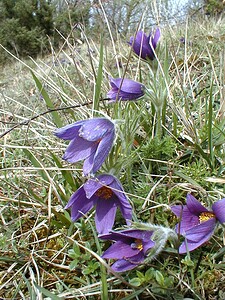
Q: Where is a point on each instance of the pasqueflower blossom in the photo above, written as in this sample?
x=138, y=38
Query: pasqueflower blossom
x=106, y=193
x=90, y=140
x=142, y=44
x=130, y=248
x=197, y=223
x=125, y=89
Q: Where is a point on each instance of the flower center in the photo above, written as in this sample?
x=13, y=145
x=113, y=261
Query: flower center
x=137, y=245
x=205, y=216
x=104, y=193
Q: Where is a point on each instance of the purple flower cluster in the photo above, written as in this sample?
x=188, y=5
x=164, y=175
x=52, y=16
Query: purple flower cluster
x=91, y=141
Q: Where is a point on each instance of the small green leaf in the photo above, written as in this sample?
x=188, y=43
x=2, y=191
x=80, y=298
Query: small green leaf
x=188, y=262
x=168, y=282
x=149, y=274
x=73, y=264
x=76, y=249
x=140, y=275
x=135, y=281
x=159, y=278
x=91, y=268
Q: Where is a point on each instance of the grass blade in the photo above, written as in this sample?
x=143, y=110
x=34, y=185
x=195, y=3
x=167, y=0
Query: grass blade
x=98, y=82
x=210, y=125
x=47, y=293
x=55, y=116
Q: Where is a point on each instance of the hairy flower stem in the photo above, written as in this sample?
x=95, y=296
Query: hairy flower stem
x=129, y=179
x=104, y=294
x=158, y=131
x=104, y=290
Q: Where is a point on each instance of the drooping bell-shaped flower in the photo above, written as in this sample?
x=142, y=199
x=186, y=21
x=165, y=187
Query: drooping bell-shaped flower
x=143, y=45
x=125, y=89
x=130, y=248
x=90, y=140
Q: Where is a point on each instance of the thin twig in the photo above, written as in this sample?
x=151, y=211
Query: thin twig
x=27, y=122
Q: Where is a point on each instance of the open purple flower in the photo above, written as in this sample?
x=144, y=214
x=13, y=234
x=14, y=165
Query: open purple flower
x=125, y=89
x=106, y=193
x=91, y=141
x=130, y=248
x=142, y=44
x=197, y=223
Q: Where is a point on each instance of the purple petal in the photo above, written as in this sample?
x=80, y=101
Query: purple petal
x=121, y=249
x=92, y=185
x=79, y=204
x=141, y=37
x=187, y=219
x=128, y=85
x=113, y=94
x=129, y=96
x=105, y=215
x=198, y=235
x=126, y=209
x=79, y=149
x=147, y=245
x=124, y=204
x=178, y=209
x=156, y=38
x=113, y=236
x=88, y=164
x=128, y=264
x=138, y=234
x=78, y=194
x=194, y=206
x=123, y=96
x=138, y=258
x=123, y=265
x=95, y=129
x=69, y=132
x=129, y=90
x=219, y=210
x=103, y=150
x=141, y=46
x=94, y=162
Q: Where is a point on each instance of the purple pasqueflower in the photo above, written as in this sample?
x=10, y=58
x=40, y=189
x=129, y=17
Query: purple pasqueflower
x=106, y=193
x=130, y=248
x=143, y=45
x=90, y=140
x=197, y=223
x=125, y=89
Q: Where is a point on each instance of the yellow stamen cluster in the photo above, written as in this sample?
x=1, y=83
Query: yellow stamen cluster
x=205, y=216
x=138, y=244
x=104, y=193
